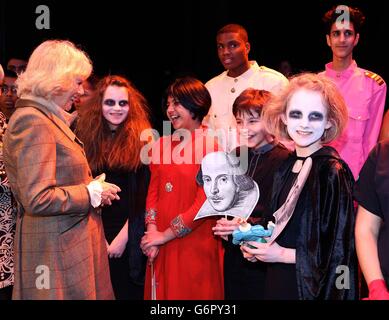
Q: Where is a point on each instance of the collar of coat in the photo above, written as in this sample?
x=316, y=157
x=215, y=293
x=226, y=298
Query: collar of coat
x=326, y=152
x=52, y=111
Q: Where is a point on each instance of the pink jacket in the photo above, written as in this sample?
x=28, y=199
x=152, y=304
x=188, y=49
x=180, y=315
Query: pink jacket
x=364, y=93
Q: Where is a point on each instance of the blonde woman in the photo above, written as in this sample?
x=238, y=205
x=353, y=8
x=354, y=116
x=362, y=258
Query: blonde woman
x=60, y=250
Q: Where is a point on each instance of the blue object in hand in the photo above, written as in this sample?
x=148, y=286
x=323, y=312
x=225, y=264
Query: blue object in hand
x=252, y=233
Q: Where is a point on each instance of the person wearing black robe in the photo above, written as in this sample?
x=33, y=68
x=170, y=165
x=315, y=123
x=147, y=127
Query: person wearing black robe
x=313, y=257
x=110, y=128
x=321, y=230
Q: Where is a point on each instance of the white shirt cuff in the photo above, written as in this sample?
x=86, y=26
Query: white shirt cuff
x=95, y=189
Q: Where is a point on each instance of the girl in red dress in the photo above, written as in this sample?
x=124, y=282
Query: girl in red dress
x=186, y=257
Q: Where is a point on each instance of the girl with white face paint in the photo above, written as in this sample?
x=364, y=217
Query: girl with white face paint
x=306, y=121
x=303, y=261
x=110, y=126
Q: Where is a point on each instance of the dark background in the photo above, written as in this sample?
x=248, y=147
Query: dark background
x=151, y=42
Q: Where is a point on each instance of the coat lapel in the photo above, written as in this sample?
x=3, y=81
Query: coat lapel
x=52, y=114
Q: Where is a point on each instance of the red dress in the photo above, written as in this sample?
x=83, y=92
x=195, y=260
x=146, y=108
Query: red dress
x=189, y=267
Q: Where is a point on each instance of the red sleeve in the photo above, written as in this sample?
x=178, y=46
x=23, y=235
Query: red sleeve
x=183, y=223
x=151, y=215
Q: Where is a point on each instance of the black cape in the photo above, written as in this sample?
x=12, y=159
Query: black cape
x=326, y=262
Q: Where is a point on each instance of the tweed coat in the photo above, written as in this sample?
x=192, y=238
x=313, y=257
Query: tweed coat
x=60, y=250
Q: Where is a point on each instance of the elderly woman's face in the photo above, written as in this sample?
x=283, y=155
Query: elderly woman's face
x=67, y=98
x=220, y=190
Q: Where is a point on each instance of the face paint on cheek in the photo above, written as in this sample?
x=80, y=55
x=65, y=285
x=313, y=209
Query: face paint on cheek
x=305, y=135
x=306, y=117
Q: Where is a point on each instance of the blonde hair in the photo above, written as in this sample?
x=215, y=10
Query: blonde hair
x=337, y=114
x=52, y=69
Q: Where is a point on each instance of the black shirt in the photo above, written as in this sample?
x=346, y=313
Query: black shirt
x=281, y=282
x=372, y=193
x=243, y=279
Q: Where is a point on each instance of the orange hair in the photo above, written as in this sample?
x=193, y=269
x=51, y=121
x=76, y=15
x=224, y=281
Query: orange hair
x=121, y=150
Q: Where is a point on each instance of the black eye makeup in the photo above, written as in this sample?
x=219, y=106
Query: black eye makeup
x=316, y=116
x=111, y=103
x=313, y=116
x=294, y=114
x=123, y=103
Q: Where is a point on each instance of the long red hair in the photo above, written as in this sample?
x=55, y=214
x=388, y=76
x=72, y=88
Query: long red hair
x=121, y=150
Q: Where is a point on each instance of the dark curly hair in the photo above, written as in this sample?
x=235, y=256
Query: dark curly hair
x=357, y=18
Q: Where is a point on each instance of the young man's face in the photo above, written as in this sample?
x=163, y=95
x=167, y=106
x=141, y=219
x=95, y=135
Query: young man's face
x=233, y=53
x=342, y=40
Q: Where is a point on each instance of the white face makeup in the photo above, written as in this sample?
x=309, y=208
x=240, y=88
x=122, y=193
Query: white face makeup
x=306, y=120
x=115, y=106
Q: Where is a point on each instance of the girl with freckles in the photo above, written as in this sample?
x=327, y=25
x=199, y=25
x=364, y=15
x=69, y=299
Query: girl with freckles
x=314, y=256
